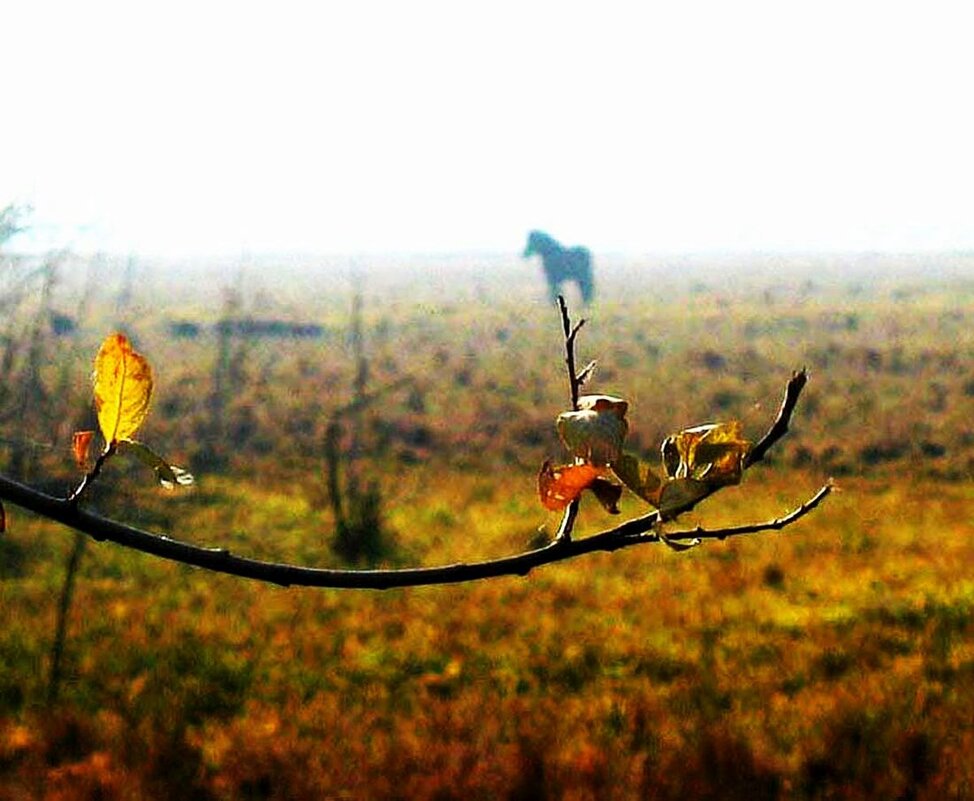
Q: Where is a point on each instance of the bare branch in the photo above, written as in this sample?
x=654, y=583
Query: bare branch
x=574, y=382
x=633, y=532
x=753, y=528
x=586, y=372
x=570, y=333
x=780, y=425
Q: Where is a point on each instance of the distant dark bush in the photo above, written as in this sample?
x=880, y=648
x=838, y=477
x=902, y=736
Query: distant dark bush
x=880, y=452
x=712, y=360
x=183, y=329
x=13, y=558
x=62, y=325
x=360, y=534
x=773, y=576
x=725, y=399
x=932, y=450
x=802, y=457
x=274, y=329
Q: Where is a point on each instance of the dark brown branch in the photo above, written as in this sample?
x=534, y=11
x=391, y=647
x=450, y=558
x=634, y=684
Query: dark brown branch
x=567, y=524
x=753, y=528
x=633, y=532
x=780, y=425
x=570, y=333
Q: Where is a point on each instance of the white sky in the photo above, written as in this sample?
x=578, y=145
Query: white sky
x=426, y=126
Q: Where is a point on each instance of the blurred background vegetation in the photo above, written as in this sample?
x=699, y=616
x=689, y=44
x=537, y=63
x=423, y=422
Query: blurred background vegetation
x=417, y=400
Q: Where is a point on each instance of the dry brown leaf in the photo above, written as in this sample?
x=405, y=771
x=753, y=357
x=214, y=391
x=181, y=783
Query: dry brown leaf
x=641, y=480
x=711, y=453
x=607, y=493
x=597, y=430
x=80, y=446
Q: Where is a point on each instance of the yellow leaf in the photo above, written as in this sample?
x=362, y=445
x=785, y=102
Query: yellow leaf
x=123, y=388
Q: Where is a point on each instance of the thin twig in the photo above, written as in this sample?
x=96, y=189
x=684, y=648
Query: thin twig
x=780, y=425
x=92, y=474
x=777, y=524
x=778, y=428
x=564, y=533
x=567, y=525
x=570, y=333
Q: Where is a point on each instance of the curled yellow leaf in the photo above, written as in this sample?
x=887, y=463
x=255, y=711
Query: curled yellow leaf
x=712, y=453
x=123, y=388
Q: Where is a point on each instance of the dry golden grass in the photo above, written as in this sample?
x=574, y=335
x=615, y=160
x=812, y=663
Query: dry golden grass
x=831, y=660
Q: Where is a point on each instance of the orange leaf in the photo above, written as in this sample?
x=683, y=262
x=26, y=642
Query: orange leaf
x=559, y=486
x=80, y=444
x=123, y=388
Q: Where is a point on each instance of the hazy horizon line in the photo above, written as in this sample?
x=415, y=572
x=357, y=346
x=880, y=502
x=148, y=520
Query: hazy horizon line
x=245, y=254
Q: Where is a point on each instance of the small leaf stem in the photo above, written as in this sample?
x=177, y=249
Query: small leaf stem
x=75, y=497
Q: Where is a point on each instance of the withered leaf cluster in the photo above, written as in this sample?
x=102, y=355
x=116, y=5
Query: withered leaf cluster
x=694, y=462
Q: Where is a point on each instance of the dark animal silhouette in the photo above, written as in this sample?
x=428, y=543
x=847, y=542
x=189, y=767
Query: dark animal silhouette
x=562, y=264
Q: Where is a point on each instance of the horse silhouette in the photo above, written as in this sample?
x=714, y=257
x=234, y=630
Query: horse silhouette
x=562, y=264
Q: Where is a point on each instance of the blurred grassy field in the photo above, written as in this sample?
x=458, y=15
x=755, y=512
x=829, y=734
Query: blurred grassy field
x=831, y=660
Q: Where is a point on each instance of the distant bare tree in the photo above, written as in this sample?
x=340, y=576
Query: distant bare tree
x=13, y=219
